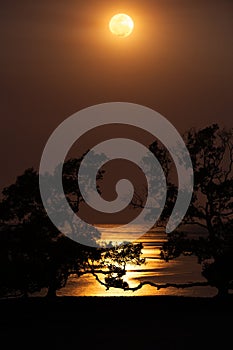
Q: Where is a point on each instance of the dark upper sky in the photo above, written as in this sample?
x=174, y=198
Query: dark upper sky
x=58, y=56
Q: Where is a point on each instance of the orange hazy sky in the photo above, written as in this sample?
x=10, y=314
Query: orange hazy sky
x=58, y=57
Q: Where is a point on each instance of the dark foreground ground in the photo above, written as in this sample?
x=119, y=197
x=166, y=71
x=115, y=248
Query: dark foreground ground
x=159, y=322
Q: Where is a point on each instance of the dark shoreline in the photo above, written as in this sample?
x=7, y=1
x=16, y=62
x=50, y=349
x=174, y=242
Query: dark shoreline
x=165, y=302
x=159, y=322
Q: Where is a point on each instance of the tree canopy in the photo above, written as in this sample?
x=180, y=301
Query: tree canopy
x=35, y=255
x=211, y=208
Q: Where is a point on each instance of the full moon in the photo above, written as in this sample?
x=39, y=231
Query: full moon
x=121, y=25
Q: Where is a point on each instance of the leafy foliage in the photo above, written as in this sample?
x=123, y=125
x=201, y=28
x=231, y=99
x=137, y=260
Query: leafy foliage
x=211, y=209
x=34, y=255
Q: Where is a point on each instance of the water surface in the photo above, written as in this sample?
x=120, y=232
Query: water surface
x=180, y=270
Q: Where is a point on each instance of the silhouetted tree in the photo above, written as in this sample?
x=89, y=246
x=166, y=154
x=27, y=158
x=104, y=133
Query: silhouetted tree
x=35, y=255
x=211, y=209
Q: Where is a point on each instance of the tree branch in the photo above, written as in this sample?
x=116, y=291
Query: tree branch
x=168, y=285
x=195, y=223
x=230, y=148
x=226, y=214
x=156, y=285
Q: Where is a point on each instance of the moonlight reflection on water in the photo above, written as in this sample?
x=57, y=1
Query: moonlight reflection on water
x=180, y=270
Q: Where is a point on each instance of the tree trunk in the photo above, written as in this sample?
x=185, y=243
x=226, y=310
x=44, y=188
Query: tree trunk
x=51, y=292
x=223, y=291
x=52, y=281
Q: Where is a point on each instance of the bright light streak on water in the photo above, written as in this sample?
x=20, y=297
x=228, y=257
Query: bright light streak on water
x=181, y=270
